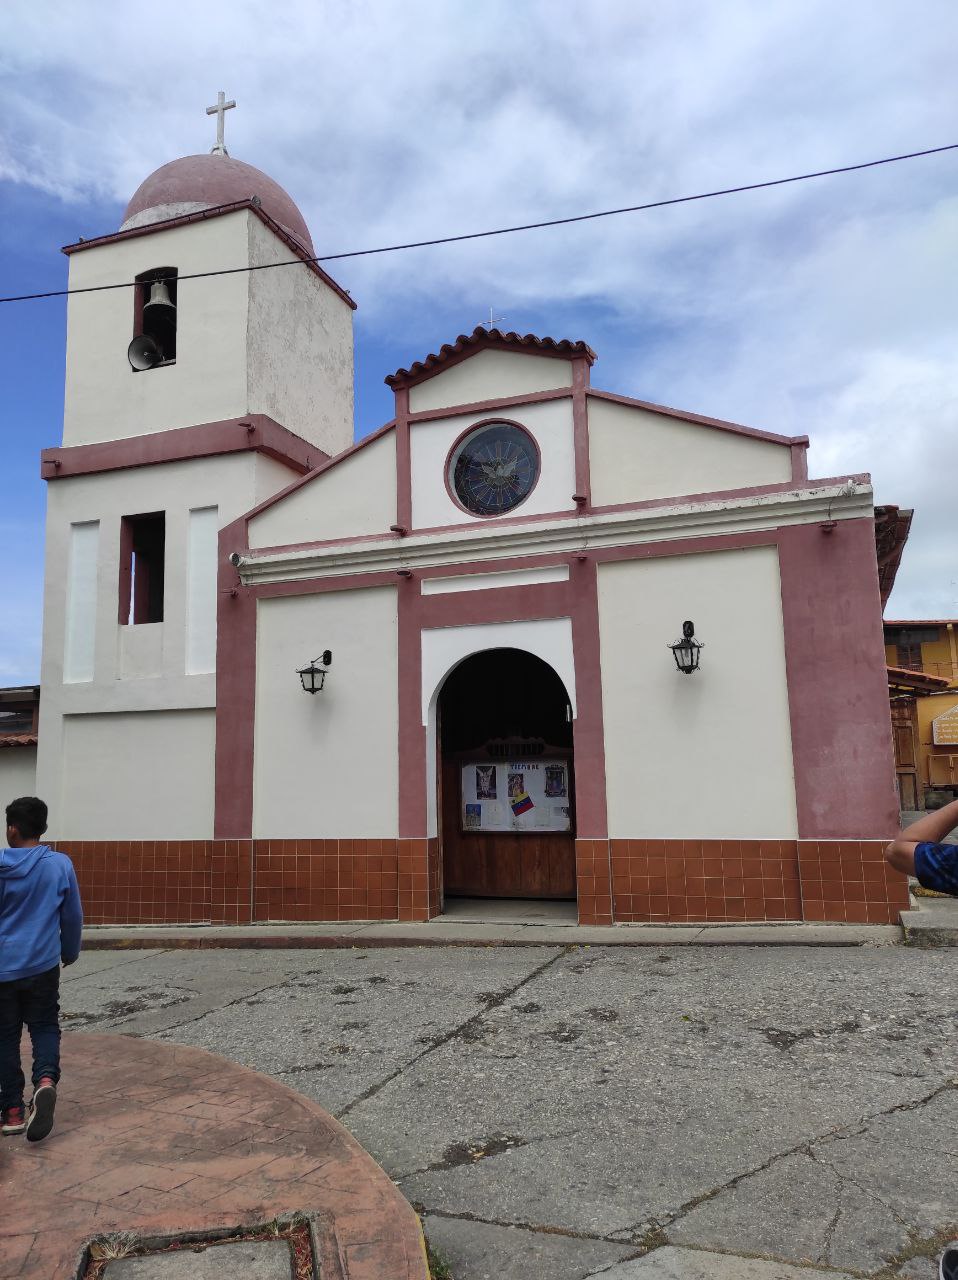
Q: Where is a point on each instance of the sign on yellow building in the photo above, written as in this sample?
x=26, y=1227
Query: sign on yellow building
x=944, y=729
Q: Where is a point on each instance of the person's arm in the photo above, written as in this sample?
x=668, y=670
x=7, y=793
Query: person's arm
x=933, y=827
x=71, y=919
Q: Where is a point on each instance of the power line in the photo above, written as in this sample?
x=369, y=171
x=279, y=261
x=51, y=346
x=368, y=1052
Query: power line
x=504, y=231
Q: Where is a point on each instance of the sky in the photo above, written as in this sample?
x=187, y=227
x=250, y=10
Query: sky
x=824, y=308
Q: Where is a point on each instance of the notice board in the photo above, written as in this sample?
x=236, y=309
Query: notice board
x=516, y=795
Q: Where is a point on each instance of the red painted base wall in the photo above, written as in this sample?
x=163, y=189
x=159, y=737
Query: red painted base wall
x=619, y=881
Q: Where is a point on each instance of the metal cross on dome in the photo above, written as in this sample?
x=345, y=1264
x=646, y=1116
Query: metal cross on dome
x=222, y=106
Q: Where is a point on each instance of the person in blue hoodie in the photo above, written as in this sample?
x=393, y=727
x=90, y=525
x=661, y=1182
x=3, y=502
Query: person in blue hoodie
x=41, y=921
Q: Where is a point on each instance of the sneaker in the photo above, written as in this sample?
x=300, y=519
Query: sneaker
x=948, y=1266
x=42, y=1104
x=13, y=1120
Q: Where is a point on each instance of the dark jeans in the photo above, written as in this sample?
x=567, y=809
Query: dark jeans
x=34, y=1001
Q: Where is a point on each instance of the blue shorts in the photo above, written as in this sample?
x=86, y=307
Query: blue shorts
x=936, y=866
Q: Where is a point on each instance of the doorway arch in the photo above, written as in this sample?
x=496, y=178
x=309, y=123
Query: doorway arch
x=505, y=808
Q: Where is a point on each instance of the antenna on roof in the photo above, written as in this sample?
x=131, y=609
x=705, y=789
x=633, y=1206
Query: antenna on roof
x=492, y=321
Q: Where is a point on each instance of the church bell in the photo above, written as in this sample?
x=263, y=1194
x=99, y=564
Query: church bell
x=160, y=296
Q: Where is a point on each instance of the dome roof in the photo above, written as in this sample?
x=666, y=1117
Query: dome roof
x=200, y=182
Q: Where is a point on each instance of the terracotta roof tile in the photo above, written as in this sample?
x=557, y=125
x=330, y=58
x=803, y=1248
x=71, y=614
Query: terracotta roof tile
x=918, y=680
x=18, y=740
x=891, y=533
x=480, y=339
x=921, y=622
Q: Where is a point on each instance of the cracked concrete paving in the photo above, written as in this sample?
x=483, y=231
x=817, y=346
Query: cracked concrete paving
x=560, y=1112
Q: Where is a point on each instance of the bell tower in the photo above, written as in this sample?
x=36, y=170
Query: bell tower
x=221, y=313
x=209, y=364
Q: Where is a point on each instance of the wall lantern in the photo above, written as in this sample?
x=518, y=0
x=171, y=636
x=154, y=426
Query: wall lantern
x=686, y=651
x=314, y=677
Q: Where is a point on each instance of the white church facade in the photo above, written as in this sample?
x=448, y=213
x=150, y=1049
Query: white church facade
x=289, y=677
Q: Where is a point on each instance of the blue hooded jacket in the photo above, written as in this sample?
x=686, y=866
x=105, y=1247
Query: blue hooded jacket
x=40, y=914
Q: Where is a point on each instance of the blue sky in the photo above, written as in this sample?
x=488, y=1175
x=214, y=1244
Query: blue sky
x=825, y=308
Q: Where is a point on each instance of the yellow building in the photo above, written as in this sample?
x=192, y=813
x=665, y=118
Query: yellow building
x=922, y=659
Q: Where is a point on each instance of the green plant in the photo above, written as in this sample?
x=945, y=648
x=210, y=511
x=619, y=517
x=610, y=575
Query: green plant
x=438, y=1266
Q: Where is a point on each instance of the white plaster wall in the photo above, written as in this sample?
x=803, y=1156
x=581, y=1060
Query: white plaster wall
x=104, y=398
x=141, y=667
x=201, y=578
x=444, y=648
x=325, y=765
x=18, y=774
x=490, y=581
x=140, y=650
x=300, y=337
x=708, y=755
x=79, y=642
x=271, y=476
x=489, y=375
x=136, y=776
x=356, y=496
x=637, y=454
x=550, y=425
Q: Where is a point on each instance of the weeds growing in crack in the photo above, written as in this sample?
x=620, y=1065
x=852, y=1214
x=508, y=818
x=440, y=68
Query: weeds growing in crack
x=438, y=1263
x=118, y=1244
x=653, y=1238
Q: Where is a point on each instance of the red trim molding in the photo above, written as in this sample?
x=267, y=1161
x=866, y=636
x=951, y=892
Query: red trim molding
x=412, y=732
x=799, y=463
x=580, y=434
x=403, y=461
x=587, y=728
x=254, y=431
x=527, y=603
x=124, y=595
x=235, y=694
x=837, y=683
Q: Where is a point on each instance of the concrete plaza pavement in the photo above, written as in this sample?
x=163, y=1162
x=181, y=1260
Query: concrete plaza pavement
x=563, y=1111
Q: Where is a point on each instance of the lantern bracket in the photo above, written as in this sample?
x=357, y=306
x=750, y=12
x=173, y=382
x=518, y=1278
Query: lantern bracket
x=313, y=677
x=687, y=651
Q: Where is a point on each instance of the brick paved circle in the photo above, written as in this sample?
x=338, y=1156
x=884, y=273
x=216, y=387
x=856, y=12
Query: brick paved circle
x=157, y=1138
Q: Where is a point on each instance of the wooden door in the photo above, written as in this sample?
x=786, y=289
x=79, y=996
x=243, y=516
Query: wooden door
x=501, y=864
x=904, y=722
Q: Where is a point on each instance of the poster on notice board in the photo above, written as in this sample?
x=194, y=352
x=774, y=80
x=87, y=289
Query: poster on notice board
x=516, y=796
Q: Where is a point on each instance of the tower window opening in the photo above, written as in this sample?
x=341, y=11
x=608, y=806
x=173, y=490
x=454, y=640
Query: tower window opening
x=142, y=556
x=154, y=319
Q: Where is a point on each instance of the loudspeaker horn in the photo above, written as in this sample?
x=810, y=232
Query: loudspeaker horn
x=160, y=296
x=143, y=352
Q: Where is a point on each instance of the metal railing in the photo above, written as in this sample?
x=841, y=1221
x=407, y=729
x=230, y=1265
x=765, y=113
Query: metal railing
x=947, y=669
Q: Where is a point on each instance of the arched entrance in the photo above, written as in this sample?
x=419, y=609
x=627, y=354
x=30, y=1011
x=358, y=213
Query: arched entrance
x=506, y=781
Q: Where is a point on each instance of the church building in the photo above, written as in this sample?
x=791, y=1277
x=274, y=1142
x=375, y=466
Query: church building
x=528, y=640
